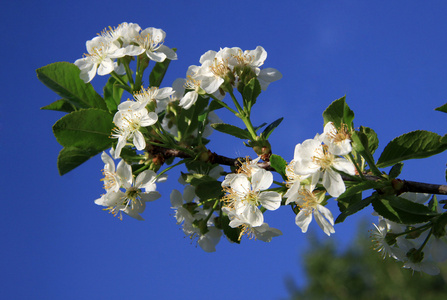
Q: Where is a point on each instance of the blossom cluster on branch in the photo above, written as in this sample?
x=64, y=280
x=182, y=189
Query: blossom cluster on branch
x=160, y=128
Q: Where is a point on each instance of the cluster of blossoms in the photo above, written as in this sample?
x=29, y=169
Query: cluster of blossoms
x=133, y=115
x=416, y=246
x=125, y=40
x=317, y=161
x=124, y=191
x=223, y=69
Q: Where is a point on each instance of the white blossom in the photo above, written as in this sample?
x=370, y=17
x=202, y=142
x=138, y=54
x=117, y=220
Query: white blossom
x=245, y=195
x=309, y=202
x=99, y=59
x=128, y=125
x=129, y=198
x=151, y=42
x=313, y=158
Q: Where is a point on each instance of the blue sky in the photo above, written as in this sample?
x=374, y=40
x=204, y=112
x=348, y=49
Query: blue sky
x=387, y=58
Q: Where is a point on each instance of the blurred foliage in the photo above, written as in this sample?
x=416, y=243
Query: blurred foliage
x=359, y=272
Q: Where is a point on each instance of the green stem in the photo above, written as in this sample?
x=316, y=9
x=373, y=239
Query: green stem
x=136, y=172
x=356, y=165
x=124, y=84
x=171, y=167
x=223, y=104
x=212, y=210
x=244, y=116
x=415, y=229
x=425, y=241
x=236, y=103
x=129, y=75
x=142, y=64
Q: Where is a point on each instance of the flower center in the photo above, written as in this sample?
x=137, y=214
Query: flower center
x=219, y=68
x=340, y=135
x=309, y=199
x=109, y=180
x=252, y=198
x=191, y=83
x=323, y=158
x=148, y=43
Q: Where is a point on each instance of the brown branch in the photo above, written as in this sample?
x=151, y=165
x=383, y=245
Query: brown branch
x=214, y=158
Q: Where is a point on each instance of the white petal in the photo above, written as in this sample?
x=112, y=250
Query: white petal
x=150, y=119
x=333, y=183
x=138, y=140
x=270, y=200
x=150, y=196
x=323, y=223
x=303, y=219
x=240, y=184
x=253, y=216
x=156, y=56
x=176, y=199
x=170, y=54
x=124, y=171
x=189, y=99
x=105, y=67
x=261, y=180
x=344, y=165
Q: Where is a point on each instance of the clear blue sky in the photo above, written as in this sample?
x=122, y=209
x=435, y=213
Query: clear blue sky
x=387, y=57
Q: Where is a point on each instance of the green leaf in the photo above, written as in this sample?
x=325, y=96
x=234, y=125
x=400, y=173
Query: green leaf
x=354, y=206
x=373, y=141
x=360, y=187
x=415, y=144
x=269, y=129
x=361, y=145
x=392, y=211
x=251, y=92
x=60, y=105
x=87, y=128
x=409, y=206
x=215, y=105
x=259, y=127
x=158, y=72
x=345, y=202
x=339, y=113
x=396, y=170
x=232, y=130
x=113, y=93
x=72, y=157
x=433, y=203
x=279, y=164
x=442, y=108
x=209, y=190
x=63, y=78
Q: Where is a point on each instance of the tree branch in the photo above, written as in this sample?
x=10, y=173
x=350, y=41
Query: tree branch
x=214, y=158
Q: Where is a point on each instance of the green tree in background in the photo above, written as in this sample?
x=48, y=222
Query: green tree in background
x=360, y=273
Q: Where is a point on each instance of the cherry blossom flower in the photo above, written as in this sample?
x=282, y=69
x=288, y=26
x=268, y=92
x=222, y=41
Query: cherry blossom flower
x=309, y=201
x=150, y=41
x=101, y=52
x=245, y=195
x=315, y=159
x=338, y=141
x=263, y=232
x=128, y=124
x=131, y=201
x=160, y=98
